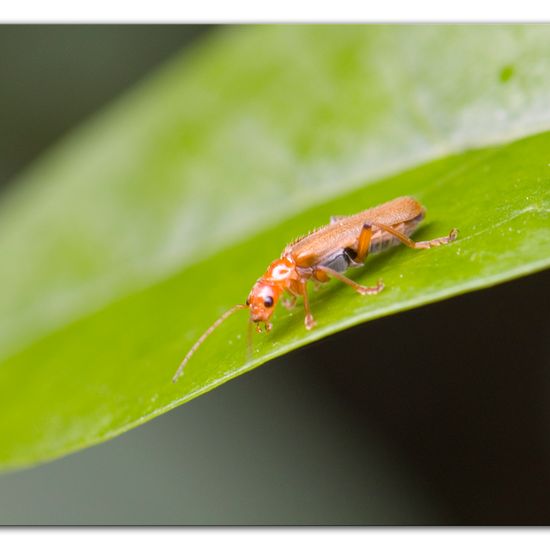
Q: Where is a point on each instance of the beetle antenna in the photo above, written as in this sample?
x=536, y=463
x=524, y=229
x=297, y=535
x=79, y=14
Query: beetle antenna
x=207, y=333
x=249, y=340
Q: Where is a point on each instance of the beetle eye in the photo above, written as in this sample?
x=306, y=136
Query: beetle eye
x=268, y=301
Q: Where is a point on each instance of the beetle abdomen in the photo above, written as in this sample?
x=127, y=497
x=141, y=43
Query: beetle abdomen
x=341, y=261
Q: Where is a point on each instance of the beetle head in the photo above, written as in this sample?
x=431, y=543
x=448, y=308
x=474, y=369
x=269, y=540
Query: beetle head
x=262, y=301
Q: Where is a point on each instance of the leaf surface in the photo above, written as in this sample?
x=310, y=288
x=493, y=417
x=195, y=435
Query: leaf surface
x=131, y=237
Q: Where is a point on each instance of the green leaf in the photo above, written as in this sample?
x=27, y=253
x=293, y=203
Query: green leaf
x=123, y=244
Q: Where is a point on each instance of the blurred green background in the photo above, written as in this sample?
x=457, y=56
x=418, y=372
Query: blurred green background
x=438, y=415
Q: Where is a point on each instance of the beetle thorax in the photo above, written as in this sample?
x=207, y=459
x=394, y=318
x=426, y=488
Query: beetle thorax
x=281, y=271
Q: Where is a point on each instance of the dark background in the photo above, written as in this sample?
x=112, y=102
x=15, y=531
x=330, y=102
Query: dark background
x=439, y=415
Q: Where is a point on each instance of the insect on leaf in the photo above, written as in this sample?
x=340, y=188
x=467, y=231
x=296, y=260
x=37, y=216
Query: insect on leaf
x=125, y=242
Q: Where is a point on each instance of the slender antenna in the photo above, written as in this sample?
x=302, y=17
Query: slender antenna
x=207, y=333
x=249, y=342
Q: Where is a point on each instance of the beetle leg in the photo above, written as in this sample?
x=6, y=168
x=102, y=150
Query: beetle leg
x=363, y=243
x=420, y=244
x=290, y=302
x=326, y=271
x=309, y=321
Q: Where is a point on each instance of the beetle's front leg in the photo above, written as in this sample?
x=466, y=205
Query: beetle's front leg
x=309, y=321
x=289, y=302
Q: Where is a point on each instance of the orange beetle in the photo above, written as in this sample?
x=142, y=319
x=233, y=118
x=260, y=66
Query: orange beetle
x=326, y=253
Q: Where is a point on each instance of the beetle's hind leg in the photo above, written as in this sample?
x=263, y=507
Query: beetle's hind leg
x=420, y=244
x=363, y=243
